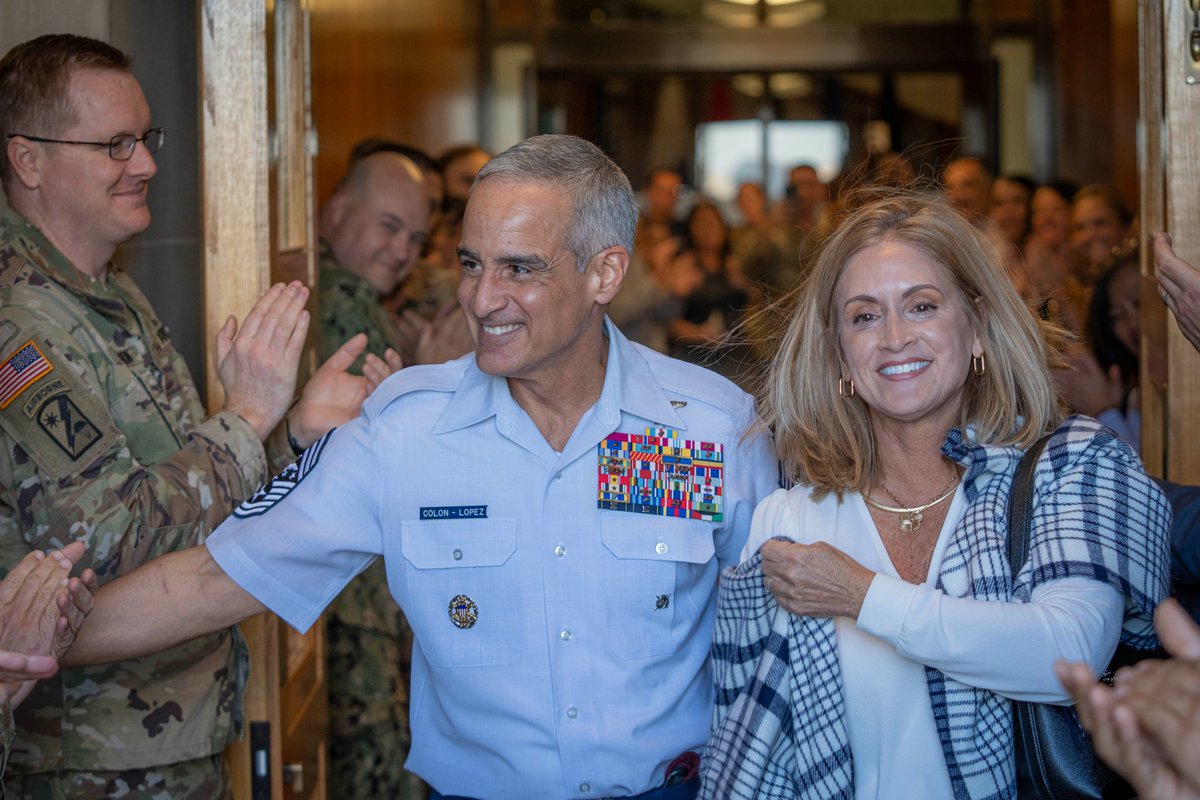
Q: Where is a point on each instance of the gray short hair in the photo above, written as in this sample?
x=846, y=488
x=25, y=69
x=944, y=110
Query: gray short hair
x=603, y=211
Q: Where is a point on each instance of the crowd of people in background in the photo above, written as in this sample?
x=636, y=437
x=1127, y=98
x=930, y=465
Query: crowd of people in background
x=703, y=269
x=1058, y=241
x=791, y=297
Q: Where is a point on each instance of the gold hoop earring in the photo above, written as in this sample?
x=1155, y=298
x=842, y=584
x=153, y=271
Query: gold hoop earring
x=978, y=365
x=846, y=387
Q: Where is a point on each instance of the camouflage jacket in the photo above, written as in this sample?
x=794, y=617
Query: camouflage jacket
x=8, y=733
x=350, y=305
x=105, y=440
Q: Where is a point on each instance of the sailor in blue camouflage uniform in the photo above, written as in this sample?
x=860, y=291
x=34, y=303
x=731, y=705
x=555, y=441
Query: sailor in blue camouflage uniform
x=552, y=512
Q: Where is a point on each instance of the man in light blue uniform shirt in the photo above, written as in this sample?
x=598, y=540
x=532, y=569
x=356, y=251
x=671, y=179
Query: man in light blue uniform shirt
x=552, y=511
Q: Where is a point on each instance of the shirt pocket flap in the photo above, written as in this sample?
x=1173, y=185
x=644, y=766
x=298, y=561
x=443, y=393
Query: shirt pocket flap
x=658, y=538
x=454, y=544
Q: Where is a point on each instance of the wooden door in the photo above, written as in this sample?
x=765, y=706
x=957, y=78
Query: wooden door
x=1169, y=165
x=256, y=135
x=303, y=713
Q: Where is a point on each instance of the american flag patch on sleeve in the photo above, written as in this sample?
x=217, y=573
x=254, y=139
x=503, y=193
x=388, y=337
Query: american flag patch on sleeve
x=282, y=484
x=20, y=371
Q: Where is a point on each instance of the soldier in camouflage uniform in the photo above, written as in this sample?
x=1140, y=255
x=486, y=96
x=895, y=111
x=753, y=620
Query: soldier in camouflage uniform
x=104, y=436
x=372, y=232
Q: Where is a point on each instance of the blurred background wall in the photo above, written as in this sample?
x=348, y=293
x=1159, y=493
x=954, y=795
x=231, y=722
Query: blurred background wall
x=1042, y=87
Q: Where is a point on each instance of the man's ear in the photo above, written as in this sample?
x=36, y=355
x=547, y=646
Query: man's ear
x=24, y=162
x=335, y=212
x=610, y=267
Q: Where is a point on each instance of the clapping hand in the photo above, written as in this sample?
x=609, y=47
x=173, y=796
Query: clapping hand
x=1148, y=726
x=334, y=396
x=447, y=336
x=257, y=361
x=41, y=611
x=1179, y=287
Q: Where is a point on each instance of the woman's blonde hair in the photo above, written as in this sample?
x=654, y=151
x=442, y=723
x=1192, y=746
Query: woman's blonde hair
x=825, y=440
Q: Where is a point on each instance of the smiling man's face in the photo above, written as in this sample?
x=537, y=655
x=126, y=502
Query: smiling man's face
x=527, y=303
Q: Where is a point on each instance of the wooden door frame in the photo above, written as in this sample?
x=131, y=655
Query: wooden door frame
x=1169, y=165
x=234, y=175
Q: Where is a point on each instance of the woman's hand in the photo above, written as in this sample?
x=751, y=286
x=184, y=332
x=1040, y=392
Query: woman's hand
x=815, y=580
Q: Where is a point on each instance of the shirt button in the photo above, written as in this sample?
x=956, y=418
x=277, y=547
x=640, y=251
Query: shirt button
x=660, y=548
x=558, y=475
x=585, y=787
x=560, y=551
x=457, y=555
x=565, y=635
x=572, y=712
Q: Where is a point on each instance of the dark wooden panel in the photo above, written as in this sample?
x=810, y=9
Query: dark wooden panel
x=816, y=48
x=404, y=70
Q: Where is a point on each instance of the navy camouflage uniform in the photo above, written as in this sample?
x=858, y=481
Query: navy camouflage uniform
x=368, y=641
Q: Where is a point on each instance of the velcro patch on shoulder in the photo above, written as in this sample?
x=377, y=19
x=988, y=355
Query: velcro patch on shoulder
x=52, y=408
x=7, y=331
x=21, y=370
x=67, y=425
x=282, y=484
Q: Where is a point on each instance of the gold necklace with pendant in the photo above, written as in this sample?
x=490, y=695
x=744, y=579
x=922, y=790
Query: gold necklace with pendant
x=912, y=517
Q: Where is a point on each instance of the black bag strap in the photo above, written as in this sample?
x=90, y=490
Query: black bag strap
x=1020, y=506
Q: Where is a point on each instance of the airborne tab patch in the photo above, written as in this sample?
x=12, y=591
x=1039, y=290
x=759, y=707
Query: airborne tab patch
x=20, y=371
x=659, y=473
x=34, y=401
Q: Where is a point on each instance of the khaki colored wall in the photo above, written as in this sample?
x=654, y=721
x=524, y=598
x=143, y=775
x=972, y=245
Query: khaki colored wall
x=25, y=19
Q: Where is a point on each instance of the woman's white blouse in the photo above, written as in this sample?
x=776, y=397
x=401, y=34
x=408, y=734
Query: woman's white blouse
x=1009, y=648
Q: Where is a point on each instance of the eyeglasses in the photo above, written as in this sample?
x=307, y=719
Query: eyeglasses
x=120, y=147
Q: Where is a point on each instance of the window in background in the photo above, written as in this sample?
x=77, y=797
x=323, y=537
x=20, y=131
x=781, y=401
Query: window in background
x=730, y=153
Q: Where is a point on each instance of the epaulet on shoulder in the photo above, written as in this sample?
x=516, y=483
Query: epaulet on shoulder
x=19, y=319
x=694, y=382
x=10, y=267
x=423, y=378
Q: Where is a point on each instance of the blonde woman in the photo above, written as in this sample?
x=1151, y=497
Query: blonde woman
x=870, y=642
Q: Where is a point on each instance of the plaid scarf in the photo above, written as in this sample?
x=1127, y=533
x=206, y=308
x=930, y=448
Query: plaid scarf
x=778, y=729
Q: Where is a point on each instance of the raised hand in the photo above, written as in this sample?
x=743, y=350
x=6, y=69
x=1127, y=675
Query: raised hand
x=257, y=362
x=1086, y=386
x=447, y=336
x=1179, y=287
x=334, y=396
